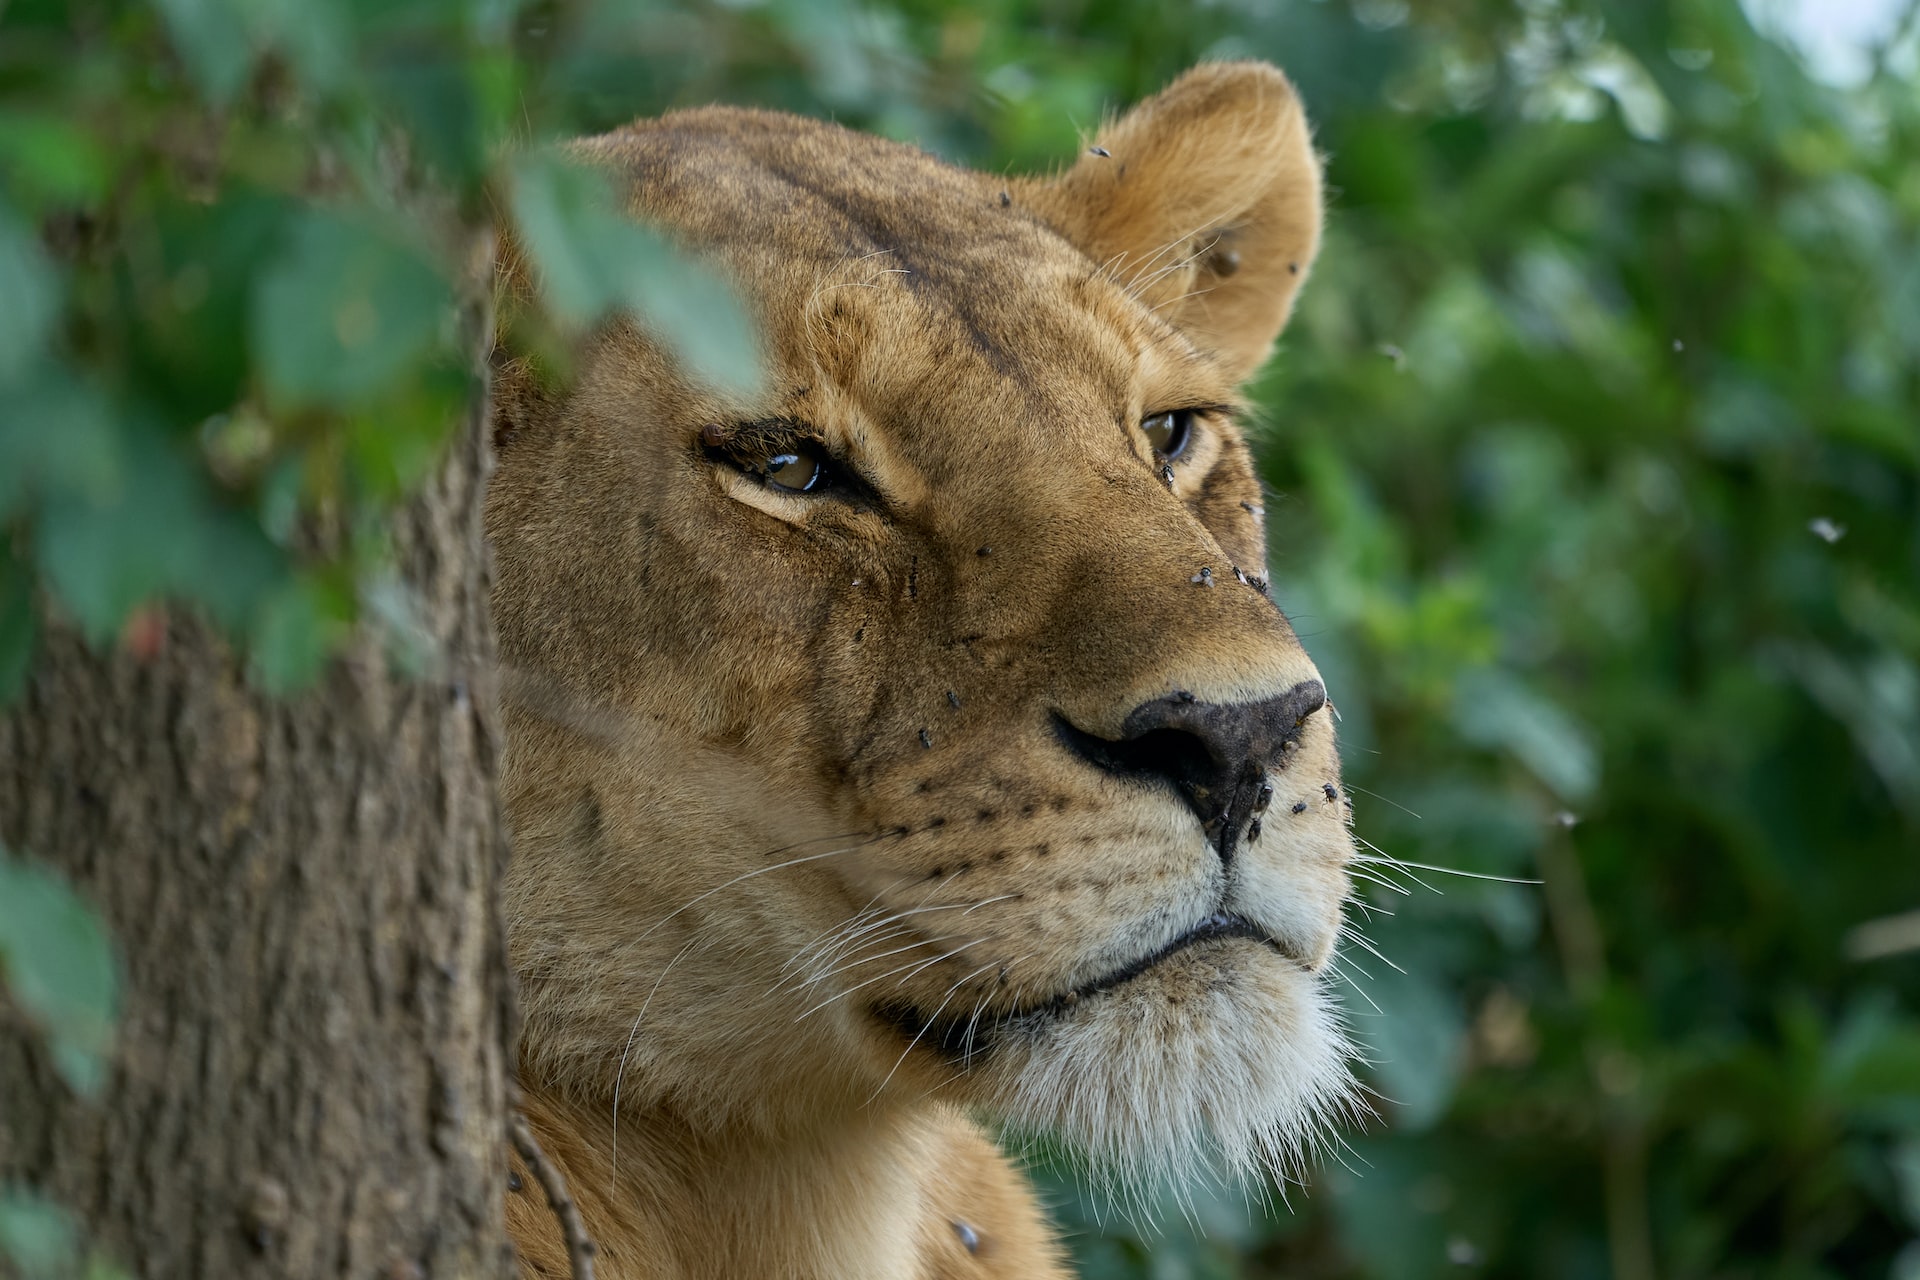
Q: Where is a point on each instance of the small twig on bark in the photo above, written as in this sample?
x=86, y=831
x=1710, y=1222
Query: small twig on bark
x=580, y=1246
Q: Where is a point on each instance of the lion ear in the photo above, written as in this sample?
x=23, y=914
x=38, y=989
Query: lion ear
x=1205, y=201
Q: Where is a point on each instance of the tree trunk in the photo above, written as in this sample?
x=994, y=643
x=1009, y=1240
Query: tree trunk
x=310, y=1072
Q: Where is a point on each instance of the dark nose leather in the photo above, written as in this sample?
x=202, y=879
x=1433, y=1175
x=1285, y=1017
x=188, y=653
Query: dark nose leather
x=1215, y=755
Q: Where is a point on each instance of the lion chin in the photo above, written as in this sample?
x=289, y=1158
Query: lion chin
x=1240, y=1072
x=914, y=744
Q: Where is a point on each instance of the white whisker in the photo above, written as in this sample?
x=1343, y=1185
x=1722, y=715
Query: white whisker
x=1377, y=796
x=937, y=959
x=1357, y=967
x=1388, y=859
x=987, y=902
x=1371, y=908
x=1360, y=940
x=926, y=1025
x=1358, y=990
x=760, y=871
x=1449, y=871
x=613, y=1163
x=1372, y=877
x=878, y=978
x=855, y=964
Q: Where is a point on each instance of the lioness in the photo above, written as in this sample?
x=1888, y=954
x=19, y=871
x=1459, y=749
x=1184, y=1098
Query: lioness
x=920, y=738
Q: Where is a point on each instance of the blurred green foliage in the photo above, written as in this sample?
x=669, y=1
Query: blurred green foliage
x=56, y=969
x=56, y=964
x=40, y=1241
x=36, y=1235
x=1595, y=458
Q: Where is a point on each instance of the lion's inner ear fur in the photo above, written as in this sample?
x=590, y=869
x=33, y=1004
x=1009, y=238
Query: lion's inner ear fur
x=1206, y=202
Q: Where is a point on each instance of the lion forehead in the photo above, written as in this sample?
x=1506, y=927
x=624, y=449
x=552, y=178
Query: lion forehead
x=728, y=177
x=793, y=206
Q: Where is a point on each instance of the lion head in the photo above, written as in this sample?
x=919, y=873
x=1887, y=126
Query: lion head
x=926, y=723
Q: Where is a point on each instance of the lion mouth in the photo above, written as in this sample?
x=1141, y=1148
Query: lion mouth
x=962, y=1039
x=1221, y=924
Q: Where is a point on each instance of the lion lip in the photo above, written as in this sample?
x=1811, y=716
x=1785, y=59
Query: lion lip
x=1221, y=924
x=963, y=1039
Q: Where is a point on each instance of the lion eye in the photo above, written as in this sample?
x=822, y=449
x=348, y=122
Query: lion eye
x=782, y=454
x=1169, y=432
x=797, y=470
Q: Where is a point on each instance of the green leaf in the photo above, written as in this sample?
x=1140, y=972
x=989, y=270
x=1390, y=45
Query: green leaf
x=36, y=1235
x=52, y=161
x=185, y=303
x=1906, y=1168
x=168, y=535
x=1494, y=709
x=345, y=314
x=1417, y=1040
x=299, y=627
x=31, y=288
x=434, y=97
x=591, y=258
x=213, y=39
x=317, y=40
x=59, y=966
x=220, y=40
x=57, y=439
x=17, y=627
x=1873, y=1059
x=1391, y=1202
x=394, y=444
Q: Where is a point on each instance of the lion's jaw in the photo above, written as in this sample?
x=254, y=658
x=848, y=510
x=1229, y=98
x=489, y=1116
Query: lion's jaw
x=806, y=815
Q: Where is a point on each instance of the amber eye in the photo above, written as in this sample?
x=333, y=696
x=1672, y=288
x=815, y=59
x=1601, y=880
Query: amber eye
x=1169, y=432
x=797, y=470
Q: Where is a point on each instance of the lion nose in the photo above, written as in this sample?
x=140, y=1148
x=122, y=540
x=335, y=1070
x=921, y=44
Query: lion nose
x=1216, y=755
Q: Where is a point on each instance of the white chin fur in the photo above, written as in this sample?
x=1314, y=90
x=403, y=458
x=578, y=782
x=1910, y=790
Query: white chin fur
x=1220, y=1062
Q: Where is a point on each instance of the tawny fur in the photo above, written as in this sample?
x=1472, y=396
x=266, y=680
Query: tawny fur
x=884, y=1196
x=803, y=873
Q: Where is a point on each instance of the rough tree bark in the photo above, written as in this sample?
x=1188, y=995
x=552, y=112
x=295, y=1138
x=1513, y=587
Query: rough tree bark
x=311, y=1065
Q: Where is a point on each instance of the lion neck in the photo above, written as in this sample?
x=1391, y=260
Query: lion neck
x=832, y=1197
